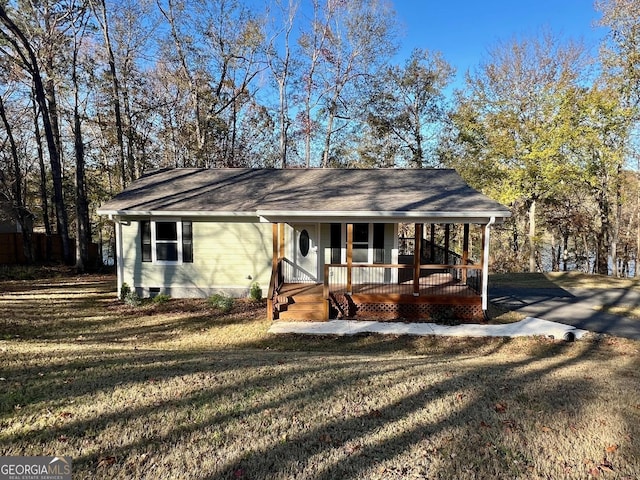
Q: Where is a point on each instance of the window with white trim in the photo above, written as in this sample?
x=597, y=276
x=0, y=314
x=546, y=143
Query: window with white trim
x=166, y=241
x=360, y=243
x=368, y=242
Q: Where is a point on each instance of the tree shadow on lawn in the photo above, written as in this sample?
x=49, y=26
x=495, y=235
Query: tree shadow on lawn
x=319, y=408
x=498, y=389
x=355, y=427
x=91, y=313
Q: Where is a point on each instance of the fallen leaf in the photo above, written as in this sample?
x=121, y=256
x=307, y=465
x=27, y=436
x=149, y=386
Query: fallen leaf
x=349, y=449
x=106, y=461
x=500, y=407
x=611, y=448
x=594, y=472
x=238, y=473
x=545, y=429
x=66, y=415
x=606, y=466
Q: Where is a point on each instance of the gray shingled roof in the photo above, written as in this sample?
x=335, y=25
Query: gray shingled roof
x=276, y=194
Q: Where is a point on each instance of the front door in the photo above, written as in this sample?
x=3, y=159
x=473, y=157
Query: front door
x=305, y=256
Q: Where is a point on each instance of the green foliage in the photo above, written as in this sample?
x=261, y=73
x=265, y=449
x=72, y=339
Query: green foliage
x=132, y=299
x=161, y=298
x=125, y=290
x=129, y=296
x=255, y=293
x=222, y=302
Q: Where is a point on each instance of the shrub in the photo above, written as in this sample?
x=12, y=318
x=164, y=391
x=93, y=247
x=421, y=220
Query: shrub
x=222, y=302
x=132, y=299
x=128, y=296
x=161, y=298
x=125, y=291
x=255, y=293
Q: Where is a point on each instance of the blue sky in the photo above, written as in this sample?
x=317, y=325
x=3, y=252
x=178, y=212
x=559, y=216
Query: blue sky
x=464, y=30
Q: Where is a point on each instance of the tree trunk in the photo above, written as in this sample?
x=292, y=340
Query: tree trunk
x=333, y=108
x=134, y=164
x=20, y=212
x=532, y=234
x=615, y=228
x=602, y=248
x=636, y=272
x=26, y=53
x=565, y=251
x=283, y=114
x=115, y=90
x=44, y=194
x=83, y=225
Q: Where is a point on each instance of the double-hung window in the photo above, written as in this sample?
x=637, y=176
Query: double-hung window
x=368, y=243
x=166, y=241
x=361, y=242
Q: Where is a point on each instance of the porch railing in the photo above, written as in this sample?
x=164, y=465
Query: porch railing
x=293, y=273
x=389, y=279
x=275, y=284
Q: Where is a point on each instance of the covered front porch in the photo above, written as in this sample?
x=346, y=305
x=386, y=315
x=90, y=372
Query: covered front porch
x=379, y=279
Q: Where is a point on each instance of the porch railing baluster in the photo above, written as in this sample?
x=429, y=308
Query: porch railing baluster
x=381, y=279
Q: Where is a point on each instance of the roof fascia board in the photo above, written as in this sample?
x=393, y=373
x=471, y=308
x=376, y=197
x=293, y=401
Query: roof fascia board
x=176, y=213
x=323, y=216
x=382, y=217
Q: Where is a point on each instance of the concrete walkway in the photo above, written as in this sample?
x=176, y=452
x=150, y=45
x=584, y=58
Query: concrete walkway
x=527, y=327
x=577, y=307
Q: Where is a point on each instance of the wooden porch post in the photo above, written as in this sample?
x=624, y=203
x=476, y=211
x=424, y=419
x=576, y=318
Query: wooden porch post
x=465, y=252
x=447, y=242
x=274, y=266
x=432, y=248
x=281, y=247
x=349, y=255
x=274, y=235
x=417, y=255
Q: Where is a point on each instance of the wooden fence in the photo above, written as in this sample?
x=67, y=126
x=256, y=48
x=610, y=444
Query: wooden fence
x=12, y=250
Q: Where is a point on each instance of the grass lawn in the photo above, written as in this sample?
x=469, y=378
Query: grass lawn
x=181, y=390
x=563, y=280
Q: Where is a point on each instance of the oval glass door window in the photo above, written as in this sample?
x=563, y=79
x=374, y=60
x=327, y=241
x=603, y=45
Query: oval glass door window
x=303, y=243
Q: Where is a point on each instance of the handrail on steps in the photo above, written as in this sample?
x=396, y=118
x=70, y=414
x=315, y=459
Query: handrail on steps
x=275, y=284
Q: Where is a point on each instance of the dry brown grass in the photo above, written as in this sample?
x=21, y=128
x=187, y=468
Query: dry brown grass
x=179, y=390
x=563, y=280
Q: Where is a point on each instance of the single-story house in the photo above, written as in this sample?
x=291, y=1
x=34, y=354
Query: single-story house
x=320, y=242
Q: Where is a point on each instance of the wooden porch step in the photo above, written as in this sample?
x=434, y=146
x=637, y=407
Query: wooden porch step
x=304, y=308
